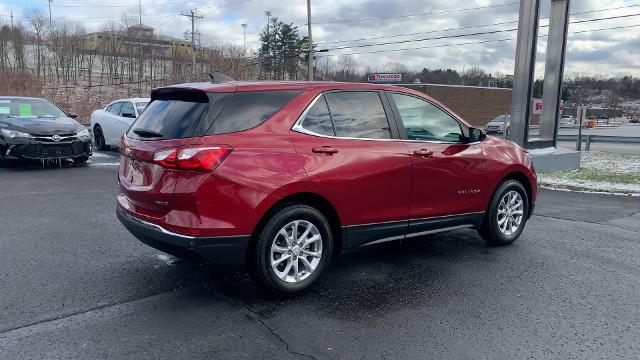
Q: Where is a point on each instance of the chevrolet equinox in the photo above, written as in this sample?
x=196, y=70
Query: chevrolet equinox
x=280, y=177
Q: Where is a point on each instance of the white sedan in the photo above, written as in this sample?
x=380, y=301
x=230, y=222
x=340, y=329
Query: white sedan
x=110, y=123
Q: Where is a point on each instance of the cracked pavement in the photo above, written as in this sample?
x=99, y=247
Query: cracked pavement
x=76, y=285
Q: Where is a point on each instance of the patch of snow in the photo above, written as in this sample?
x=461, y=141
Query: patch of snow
x=591, y=185
x=103, y=164
x=545, y=151
x=102, y=155
x=167, y=259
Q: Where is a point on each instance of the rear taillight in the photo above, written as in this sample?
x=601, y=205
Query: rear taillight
x=192, y=158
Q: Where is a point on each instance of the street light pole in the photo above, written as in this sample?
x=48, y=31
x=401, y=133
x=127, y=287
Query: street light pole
x=310, y=64
x=244, y=37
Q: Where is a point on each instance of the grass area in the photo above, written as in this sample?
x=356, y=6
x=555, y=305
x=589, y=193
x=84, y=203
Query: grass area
x=599, y=171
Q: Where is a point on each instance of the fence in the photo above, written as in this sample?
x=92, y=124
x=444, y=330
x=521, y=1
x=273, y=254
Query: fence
x=600, y=139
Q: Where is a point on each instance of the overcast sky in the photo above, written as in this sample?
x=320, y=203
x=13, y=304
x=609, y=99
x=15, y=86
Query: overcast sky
x=610, y=52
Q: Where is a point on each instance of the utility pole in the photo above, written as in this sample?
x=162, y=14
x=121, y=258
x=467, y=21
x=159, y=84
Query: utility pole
x=192, y=15
x=269, y=42
x=244, y=37
x=50, y=14
x=310, y=64
x=11, y=19
x=140, y=11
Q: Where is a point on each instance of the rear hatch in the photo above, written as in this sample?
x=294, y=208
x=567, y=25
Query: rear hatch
x=175, y=119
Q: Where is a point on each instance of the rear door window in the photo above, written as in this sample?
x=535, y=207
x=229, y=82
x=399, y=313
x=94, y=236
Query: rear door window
x=127, y=108
x=358, y=114
x=246, y=110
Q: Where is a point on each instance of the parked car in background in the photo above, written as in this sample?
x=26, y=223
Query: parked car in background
x=34, y=128
x=498, y=124
x=280, y=177
x=567, y=121
x=110, y=123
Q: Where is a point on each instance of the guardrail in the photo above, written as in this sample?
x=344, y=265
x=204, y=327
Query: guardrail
x=601, y=139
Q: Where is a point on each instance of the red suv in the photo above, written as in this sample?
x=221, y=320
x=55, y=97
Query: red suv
x=280, y=177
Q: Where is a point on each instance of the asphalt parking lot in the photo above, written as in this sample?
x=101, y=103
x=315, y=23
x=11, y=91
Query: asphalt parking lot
x=76, y=284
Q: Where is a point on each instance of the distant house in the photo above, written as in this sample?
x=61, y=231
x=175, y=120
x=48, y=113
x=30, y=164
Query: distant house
x=137, y=38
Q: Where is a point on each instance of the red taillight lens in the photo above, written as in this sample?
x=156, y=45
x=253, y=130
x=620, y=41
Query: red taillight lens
x=192, y=158
x=166, y=157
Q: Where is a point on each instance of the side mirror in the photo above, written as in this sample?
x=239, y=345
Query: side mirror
x=72, y=115
x=476, y=135
x=128, y=115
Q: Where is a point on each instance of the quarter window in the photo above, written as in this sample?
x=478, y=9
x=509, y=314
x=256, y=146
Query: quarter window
x=247, y=110
x=425, y=121
x=358, y=114
x=318, y=119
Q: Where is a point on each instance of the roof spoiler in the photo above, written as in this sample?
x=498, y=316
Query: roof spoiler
x=217, y=77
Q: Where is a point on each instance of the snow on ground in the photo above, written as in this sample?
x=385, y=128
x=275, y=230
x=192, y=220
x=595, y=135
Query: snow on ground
x=599, y=172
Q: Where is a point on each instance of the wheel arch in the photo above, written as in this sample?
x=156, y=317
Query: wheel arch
x=520, y=177
x=312, y=199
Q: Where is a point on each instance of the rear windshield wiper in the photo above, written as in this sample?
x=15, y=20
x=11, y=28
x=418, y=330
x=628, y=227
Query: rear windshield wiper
x=147, y=133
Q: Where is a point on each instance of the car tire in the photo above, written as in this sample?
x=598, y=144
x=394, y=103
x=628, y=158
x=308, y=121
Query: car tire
x=98, y=137
x=279, y=276
x=507, y=214
x=80, y=160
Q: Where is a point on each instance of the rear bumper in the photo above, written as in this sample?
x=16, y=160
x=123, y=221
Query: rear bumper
x=228, y=251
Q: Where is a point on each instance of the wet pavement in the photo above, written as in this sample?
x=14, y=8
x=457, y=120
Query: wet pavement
x=75, y=284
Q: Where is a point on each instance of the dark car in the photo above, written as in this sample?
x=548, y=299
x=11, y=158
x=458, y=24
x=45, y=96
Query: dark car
x=33, y=128
x=280, y=177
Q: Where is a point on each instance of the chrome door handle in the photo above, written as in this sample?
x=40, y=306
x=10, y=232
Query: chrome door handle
x=423, y=153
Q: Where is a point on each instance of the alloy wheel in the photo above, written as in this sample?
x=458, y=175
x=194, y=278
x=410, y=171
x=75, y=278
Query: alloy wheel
x=510, y=213
x=296, y=251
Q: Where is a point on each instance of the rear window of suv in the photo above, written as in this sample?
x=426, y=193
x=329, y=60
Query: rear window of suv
x=177, y=116
x=168, y=119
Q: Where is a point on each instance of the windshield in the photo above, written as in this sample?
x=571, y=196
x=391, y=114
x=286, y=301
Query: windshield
x=141, y=106
x=31, y=108
x=499, y=119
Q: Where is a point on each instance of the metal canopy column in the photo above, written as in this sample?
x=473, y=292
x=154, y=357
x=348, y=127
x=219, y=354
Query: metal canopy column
x=554, y=68
x=524, y=71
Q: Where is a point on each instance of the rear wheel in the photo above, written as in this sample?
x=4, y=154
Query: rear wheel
x=98, y=136
x=292, y=251
x=507, y=214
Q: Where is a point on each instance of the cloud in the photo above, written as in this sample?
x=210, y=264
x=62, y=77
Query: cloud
x=587, y=52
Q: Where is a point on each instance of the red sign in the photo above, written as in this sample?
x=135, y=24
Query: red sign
x=385, y=78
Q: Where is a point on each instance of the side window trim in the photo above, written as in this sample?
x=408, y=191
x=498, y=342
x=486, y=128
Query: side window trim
x=401, y=129
x=391, y=121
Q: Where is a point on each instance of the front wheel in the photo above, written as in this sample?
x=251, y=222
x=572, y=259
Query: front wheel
x=507, y=214
x=292, y=251
x=98, y=136
x=80, y=160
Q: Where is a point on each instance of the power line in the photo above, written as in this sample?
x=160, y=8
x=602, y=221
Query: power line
x=466, y=27
x=472, y=34
x=413, y=15
x=474, y=42
x=230, y=3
